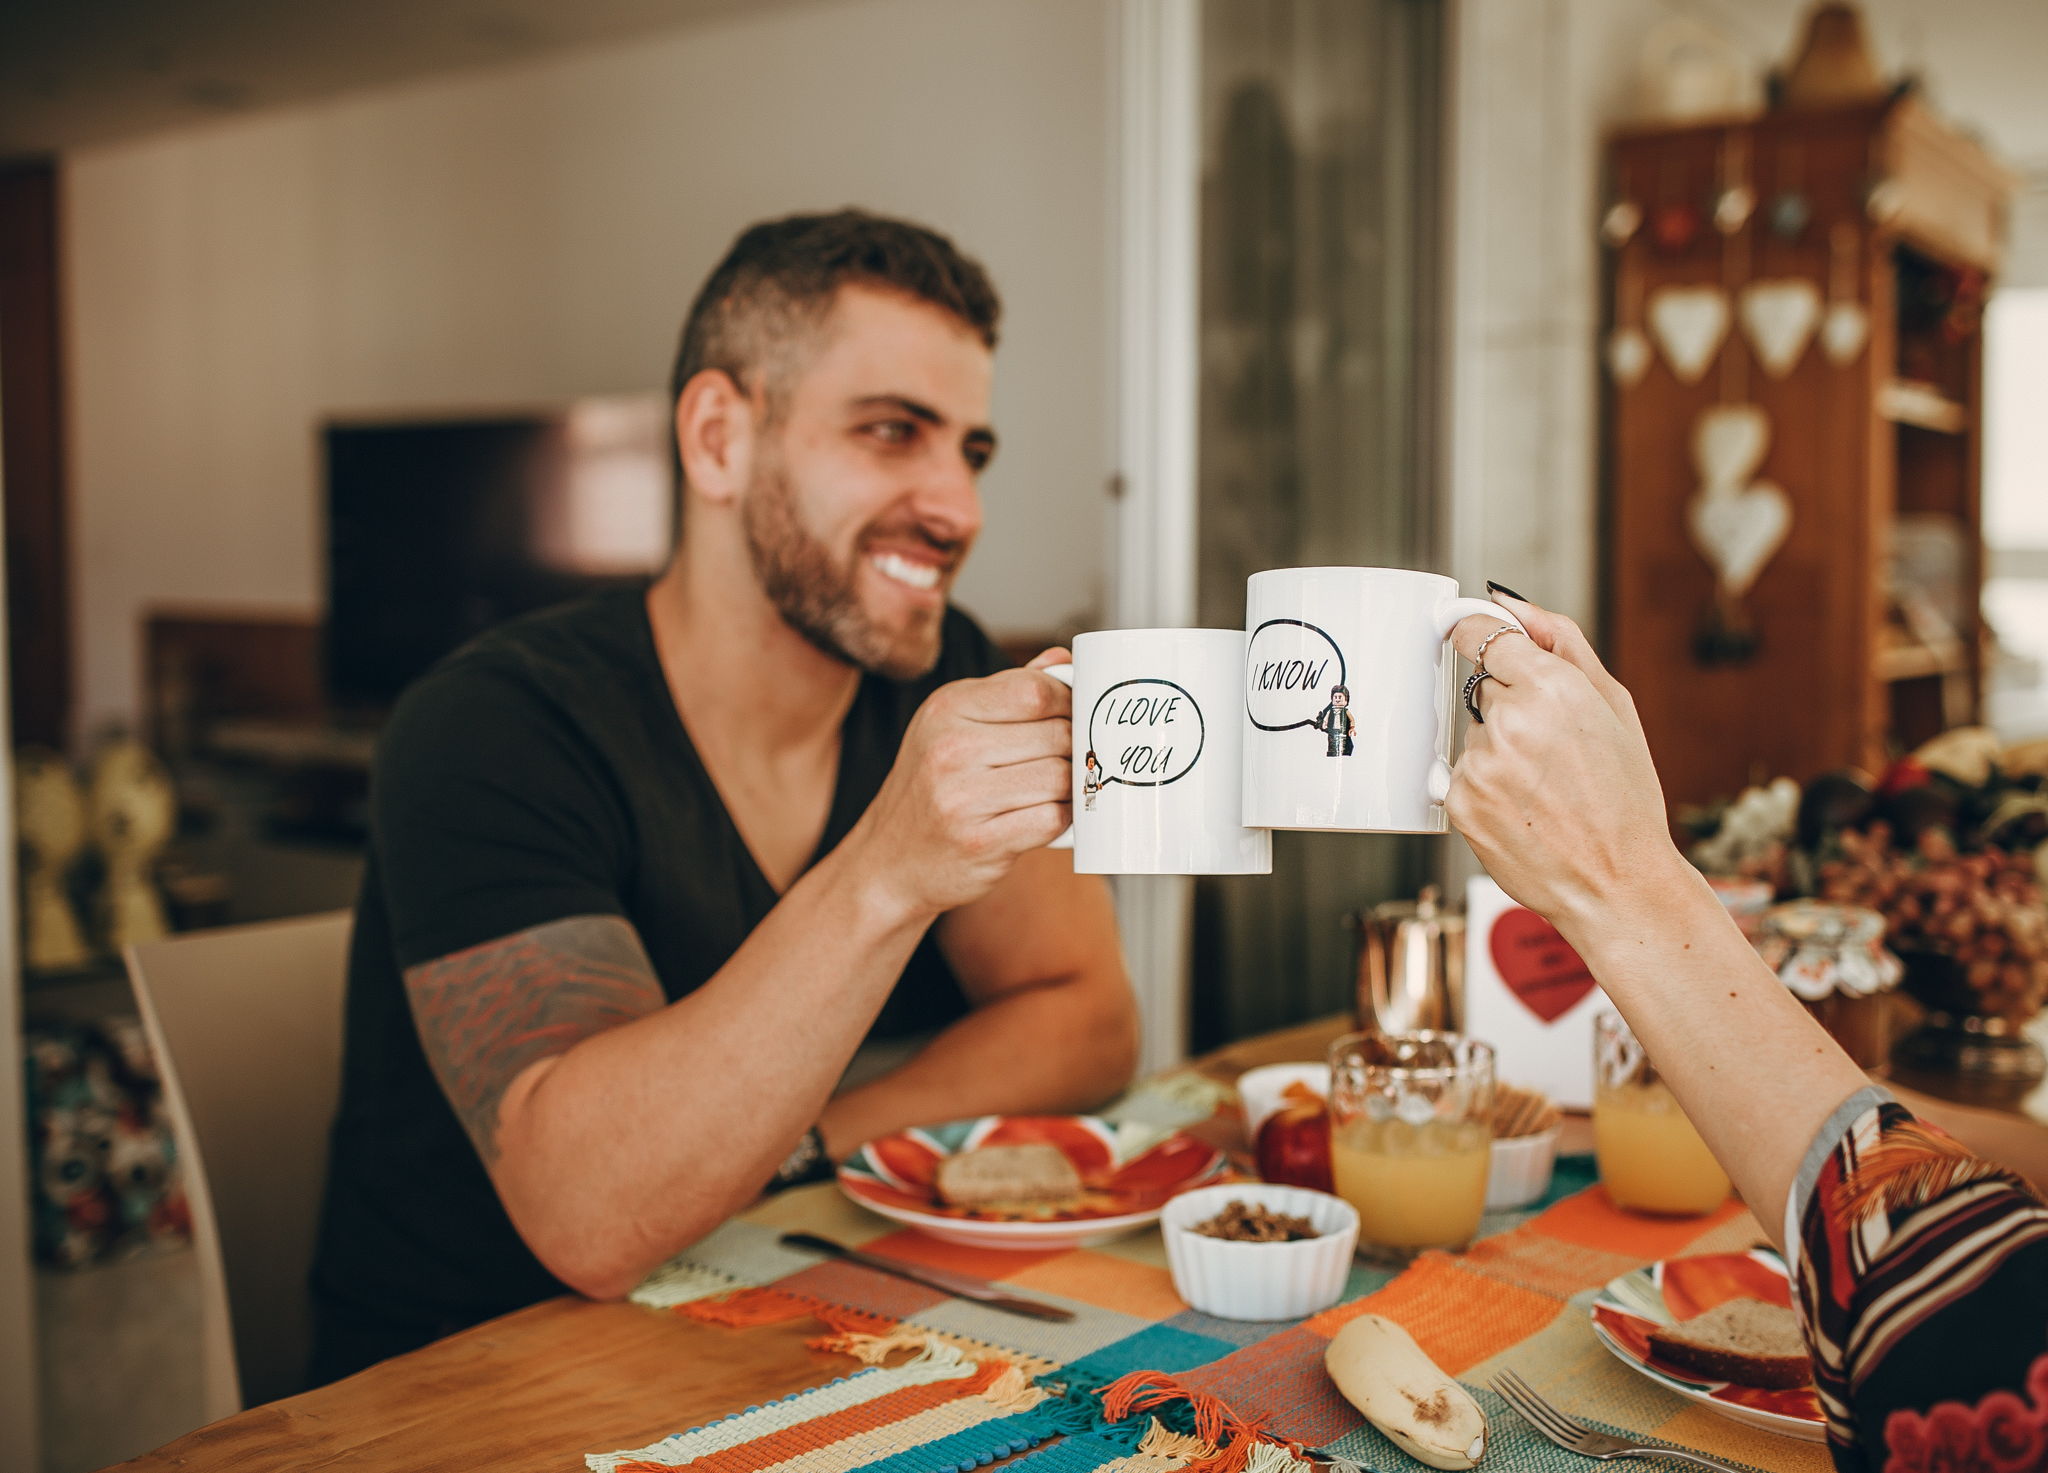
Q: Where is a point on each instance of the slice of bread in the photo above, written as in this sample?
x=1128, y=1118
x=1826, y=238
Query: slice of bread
x=1007, y=1176
x=1745, y=1341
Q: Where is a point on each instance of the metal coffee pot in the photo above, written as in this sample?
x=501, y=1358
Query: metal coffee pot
x=1411, y=965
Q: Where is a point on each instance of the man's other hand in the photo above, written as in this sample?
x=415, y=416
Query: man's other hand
x=985, y=773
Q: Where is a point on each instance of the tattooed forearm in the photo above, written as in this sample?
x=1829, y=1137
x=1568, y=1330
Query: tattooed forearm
x=486, y=1014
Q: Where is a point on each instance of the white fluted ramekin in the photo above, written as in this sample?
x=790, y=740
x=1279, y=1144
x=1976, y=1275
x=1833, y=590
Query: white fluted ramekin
x=1519, y=1172
x=1260, y=1281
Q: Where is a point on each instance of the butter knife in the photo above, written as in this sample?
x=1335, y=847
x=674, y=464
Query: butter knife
x=960, y=1285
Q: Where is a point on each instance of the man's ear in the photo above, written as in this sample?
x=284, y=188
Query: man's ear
x=715, y=427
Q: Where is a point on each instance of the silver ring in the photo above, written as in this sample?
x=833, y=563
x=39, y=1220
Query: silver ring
x=1479, y=655
x=1472, y=684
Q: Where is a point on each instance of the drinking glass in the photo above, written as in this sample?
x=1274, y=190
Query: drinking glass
x=1651, y=1159
x=1411, y=1134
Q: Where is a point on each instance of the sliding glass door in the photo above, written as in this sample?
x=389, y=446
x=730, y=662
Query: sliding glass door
x=1319, y=239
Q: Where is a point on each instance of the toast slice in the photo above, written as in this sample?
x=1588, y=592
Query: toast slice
x=1035, y=1175
x=1745, y=1341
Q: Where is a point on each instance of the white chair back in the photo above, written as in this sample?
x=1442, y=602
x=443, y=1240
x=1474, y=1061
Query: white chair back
x=246, y=1022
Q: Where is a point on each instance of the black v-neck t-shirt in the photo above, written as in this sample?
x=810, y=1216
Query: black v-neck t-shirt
x=539, y=773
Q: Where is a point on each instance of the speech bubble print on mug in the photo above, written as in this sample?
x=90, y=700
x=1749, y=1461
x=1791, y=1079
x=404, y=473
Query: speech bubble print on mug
x=1383, y=764
x=1142, y=733
x=1294, y=677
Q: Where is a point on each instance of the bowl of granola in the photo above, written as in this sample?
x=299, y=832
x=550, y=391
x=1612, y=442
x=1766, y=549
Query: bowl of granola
x=1258, y=1250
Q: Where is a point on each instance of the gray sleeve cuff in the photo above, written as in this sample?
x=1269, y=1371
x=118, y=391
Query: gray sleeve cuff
x=1818, y=1151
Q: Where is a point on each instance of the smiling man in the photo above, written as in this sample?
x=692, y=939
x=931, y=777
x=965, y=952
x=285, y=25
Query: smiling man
x=649, y=870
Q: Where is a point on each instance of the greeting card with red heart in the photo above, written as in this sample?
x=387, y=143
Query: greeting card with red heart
x=1529, y=995
x=1538, y=965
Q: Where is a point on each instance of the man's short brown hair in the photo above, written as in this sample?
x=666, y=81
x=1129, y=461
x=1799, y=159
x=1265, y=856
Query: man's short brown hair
x=777, y=283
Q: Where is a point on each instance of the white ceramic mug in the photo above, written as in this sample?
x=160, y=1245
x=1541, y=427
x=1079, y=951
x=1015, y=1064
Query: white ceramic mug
x=1350, y=687
x=1157, y=754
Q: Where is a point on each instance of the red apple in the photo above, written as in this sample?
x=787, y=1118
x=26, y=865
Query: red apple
x=1293, y=1146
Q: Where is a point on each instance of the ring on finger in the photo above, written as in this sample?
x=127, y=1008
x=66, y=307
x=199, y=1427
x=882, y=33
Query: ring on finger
x=1472, y=684
x=1479, y=655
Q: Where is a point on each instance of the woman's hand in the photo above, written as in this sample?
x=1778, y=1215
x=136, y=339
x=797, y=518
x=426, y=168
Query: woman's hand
x=1556, y=790
x=1559, y=797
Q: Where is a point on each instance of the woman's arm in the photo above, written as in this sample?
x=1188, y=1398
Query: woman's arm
x=1922, y=1271
x=1558, y=796
x=1754, y=1071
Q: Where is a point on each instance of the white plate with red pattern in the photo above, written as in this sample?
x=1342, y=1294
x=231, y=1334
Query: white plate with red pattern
x=1679, y=1288
x=1127, y=1174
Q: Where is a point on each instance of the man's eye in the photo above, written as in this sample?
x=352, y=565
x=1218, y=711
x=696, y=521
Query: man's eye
x=893, y=431
x=977, y=457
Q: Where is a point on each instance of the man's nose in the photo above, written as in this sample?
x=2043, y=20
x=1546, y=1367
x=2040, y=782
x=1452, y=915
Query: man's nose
x=948, y=502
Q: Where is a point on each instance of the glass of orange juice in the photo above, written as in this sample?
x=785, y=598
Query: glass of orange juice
x=1651, y=1159
x=1410, y=1137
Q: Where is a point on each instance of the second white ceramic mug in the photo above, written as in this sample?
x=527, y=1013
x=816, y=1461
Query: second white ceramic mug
x=1158, y=747
x=1349, y=693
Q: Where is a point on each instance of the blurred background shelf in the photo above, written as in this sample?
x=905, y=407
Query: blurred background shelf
x=1861, y=637
x=1918, y=662
x=1922, y=406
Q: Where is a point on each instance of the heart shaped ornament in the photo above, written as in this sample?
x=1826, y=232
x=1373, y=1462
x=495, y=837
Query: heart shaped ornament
x=1843, y=332
x=1728, y=444
x=1628, y=356
x=1622, y=220
x=1779, y=318
x=1738, y=532
x=1538, y=965
x=1689, y=323
x=1732, y=208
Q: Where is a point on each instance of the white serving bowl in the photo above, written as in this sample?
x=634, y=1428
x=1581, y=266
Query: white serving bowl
x=1260, y=1281
x=1519, y=1172
x=1259, y=1091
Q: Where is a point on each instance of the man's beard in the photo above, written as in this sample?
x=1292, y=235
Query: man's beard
x=816, y=596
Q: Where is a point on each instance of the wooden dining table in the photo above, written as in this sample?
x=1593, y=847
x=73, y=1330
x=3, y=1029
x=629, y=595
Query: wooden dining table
x=539, y=1388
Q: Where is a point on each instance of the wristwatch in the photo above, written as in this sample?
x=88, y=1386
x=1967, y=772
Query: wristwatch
x=806, y=1163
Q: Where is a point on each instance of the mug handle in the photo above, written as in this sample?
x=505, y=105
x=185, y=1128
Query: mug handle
x=1448, y=614
x=1064, y=674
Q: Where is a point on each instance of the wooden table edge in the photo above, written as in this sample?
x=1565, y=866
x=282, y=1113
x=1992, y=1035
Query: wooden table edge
x=542, y=1386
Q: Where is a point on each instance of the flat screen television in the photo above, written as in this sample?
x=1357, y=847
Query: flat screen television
x=438, y=529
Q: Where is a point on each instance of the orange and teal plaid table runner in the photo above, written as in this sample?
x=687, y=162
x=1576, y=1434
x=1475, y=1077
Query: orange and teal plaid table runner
x=1139, y=1383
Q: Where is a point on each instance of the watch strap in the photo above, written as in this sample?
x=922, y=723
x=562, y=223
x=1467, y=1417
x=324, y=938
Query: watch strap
x=806, y=1162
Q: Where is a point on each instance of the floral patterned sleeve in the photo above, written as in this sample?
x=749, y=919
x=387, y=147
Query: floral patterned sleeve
x=1922, y=1280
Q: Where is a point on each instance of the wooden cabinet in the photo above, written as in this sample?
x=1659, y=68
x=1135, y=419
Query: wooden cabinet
x=1881, y=205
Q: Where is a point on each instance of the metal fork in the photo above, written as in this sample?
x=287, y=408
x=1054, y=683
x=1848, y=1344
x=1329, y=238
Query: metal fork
x=1575, y=1436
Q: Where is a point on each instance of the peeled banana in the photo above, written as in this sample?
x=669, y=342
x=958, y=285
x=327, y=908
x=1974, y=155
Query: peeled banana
x=1383, y=1372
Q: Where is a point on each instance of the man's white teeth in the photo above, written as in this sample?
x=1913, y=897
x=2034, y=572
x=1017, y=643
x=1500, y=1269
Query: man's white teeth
x=903, y=570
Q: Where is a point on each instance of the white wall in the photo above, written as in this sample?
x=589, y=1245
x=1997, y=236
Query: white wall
x=1536, y=86
x=535, y=234
x=2026, y=269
